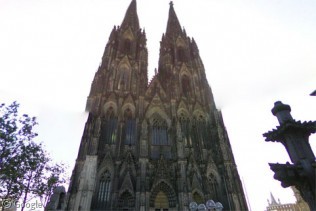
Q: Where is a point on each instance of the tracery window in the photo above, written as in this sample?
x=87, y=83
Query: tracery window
x=196, y=83
x=124, y=79
x=127, y=46
x=181, y=54
x=159, y=133
x=186, y=86
x=213, y=185
x=185, y=129
x=126, y=201
x=103, y=196
x=109, y=127
x=199, y=130
x=129, y=128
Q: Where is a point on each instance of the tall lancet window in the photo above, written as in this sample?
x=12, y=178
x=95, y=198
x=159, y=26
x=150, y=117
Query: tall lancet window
x=199, y=130
x=185, y=129
x=159, y=134
x=130, y=127
x=127, y=46
x=109, y=125
x=201, y=124
x=104, y=189
x=213, y=186
x=186, y=86
x=181, y=54
x=124, y=79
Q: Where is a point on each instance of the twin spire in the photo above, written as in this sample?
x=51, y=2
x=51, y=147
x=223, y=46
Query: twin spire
x=131, y=19
x=173, y=25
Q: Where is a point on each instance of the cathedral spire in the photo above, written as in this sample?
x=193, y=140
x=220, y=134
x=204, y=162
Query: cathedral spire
x=131, y=18
x=173, y=25
x=273, y=201
x=132, y=123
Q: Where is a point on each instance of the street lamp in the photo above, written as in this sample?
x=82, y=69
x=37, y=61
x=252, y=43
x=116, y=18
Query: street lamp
x=209, y=205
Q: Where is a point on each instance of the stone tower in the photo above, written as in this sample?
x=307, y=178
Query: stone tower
x=158, y=145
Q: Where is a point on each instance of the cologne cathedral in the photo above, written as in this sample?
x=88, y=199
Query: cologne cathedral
x=156, y=145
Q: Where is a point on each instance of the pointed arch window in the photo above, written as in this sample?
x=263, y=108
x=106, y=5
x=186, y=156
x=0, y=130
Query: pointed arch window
x=103, y=196
x=196, y=82
x=127, y=46
x=181, y=54
x=110, y=113
x=185, y=128
x=130, y=128
x=159, y=135
x=186, y=86
x=124, y=79
x=126, y=201
x=213, y=185
x=109, y=127
x=199, y=130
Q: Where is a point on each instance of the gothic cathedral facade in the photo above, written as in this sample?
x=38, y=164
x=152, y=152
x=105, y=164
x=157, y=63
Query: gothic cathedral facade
x=157, y=145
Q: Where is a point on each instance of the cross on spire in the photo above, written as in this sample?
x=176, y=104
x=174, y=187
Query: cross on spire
x=173, y=25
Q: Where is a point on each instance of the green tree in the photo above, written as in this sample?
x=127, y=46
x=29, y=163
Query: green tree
x=16, y=133
x=55, y=176
x=26, y=170
x=35, y=160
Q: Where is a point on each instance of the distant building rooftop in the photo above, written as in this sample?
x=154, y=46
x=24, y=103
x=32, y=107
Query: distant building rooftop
x=299, y=205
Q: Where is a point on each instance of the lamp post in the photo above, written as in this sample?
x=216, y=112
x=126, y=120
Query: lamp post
x=209, y=205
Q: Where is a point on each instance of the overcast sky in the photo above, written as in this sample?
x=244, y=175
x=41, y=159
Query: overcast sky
x=254, y=53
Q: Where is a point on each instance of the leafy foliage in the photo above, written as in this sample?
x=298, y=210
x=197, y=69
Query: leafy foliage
x=26, y=170
x=55, y=176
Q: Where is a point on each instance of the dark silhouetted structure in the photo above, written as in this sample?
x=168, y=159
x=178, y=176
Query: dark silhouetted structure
x=155, y=146
x=294, y=136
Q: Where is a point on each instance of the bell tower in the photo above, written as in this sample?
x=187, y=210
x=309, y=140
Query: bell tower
x=123, y=69
x=106, y=158
x=180, y=65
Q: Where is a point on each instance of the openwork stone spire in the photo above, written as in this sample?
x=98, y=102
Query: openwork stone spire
x=173, y=25
x=131, y=18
